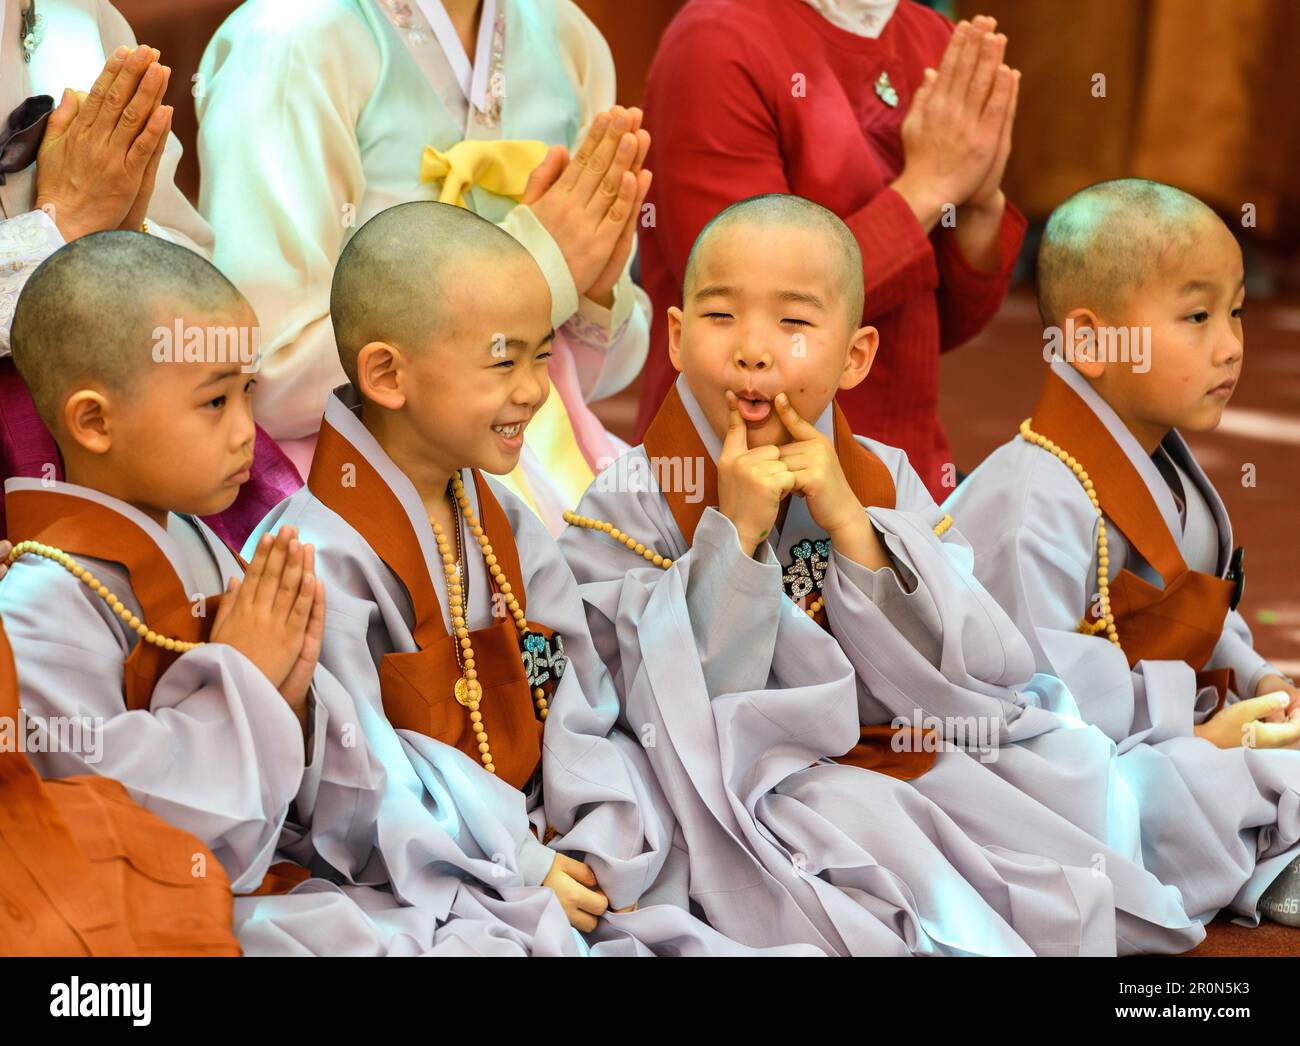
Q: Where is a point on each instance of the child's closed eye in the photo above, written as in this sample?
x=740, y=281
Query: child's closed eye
x=1199, y=317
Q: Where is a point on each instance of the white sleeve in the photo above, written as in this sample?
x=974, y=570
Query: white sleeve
x=282, y=180
x=25, y=242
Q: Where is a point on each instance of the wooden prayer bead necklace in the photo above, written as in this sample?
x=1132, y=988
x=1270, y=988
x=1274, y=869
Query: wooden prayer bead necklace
x=646, y=552
x=1107, y=621
x=90, y=581
x=469, y=692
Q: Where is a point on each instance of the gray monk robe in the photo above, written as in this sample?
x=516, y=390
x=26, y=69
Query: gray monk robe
x=201, y=738
x=1219, y=824
x=447, y=829
x=744, y=701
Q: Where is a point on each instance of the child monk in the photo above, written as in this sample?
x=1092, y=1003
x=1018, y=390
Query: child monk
x=1105, y=541
x=453, y=619
x=215, y=716
x=796, y=581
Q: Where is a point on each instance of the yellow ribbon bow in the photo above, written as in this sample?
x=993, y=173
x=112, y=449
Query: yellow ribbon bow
x=500, y=167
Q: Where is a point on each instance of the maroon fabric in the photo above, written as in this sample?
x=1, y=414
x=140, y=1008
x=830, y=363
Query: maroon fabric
x=727, y=122
x=28, y=449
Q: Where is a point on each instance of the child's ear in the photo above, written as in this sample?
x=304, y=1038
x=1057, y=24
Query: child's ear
x=1079, y=341
x=675, y=336
x=862, y=354
x=379, y=375
x=85, y=416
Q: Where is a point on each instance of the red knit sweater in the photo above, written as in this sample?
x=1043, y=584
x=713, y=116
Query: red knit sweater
x=755, y=96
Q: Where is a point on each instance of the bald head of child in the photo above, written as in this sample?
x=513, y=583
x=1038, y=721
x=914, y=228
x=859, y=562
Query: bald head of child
x=139, y=356
x=1144, y=285
x=443, y=323
x=772, y=302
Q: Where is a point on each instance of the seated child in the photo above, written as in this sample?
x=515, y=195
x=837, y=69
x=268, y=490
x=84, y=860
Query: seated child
x=761, y=629
x=214, y=715
x=452, y=618
x=89, y=871
x=1104, y=540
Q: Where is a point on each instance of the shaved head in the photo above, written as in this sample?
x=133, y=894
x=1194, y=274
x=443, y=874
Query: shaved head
x=782, y=209
x=1104, y=242
x=89, y=311
x=393, y=279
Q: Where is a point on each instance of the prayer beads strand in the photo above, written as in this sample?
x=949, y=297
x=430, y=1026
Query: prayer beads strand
x=646, y=552
x=1107, y=621
x=90, y=581
x=469, y=691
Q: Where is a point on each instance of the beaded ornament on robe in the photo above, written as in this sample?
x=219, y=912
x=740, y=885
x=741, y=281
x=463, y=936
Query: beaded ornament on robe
x=646, y=552
x=1107, y=621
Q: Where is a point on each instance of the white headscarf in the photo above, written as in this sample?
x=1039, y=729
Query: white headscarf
x=860, y=17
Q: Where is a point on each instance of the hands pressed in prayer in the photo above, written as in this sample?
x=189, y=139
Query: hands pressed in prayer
x=1266, y=721
x=275, y=616
x=751, y=483
x=98, y=161
x=5, y=549
x=590, y=203
x=957, y=133
x=575, y=885
x=819, y=479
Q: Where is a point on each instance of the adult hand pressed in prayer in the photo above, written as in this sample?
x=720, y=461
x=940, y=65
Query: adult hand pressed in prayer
x=99, y=158
x=751, y=483
x=590, y=203
x=957, y=133
x=270, y=615
x=1245, y=724
x=575, y=885
x=819, y=478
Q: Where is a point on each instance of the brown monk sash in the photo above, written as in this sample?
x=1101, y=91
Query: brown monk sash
x=1181, y=621
x=81, y=527
x=672, y=435
x=84, y=870
x=418, y=688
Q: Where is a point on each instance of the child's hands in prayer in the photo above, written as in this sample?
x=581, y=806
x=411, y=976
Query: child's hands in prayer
x=575, y=885
x=1247, y=723
x=751, y=483
x=98, y=160
x=957, y=133
x=298, y=681
x=590, y=203
x=274, y=615
x=1272, y=684
x=5, y=549
x=819, y=478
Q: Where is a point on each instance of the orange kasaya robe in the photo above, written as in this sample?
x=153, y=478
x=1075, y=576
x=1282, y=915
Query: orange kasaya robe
x=84, y=870
x=1183, y=619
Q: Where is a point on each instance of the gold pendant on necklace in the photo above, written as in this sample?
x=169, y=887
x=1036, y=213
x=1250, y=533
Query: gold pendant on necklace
x=462, y=691
x=885, y=91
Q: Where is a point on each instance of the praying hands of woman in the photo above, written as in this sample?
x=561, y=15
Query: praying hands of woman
x=590, y=203
x=957, y=137
x=99, y=158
